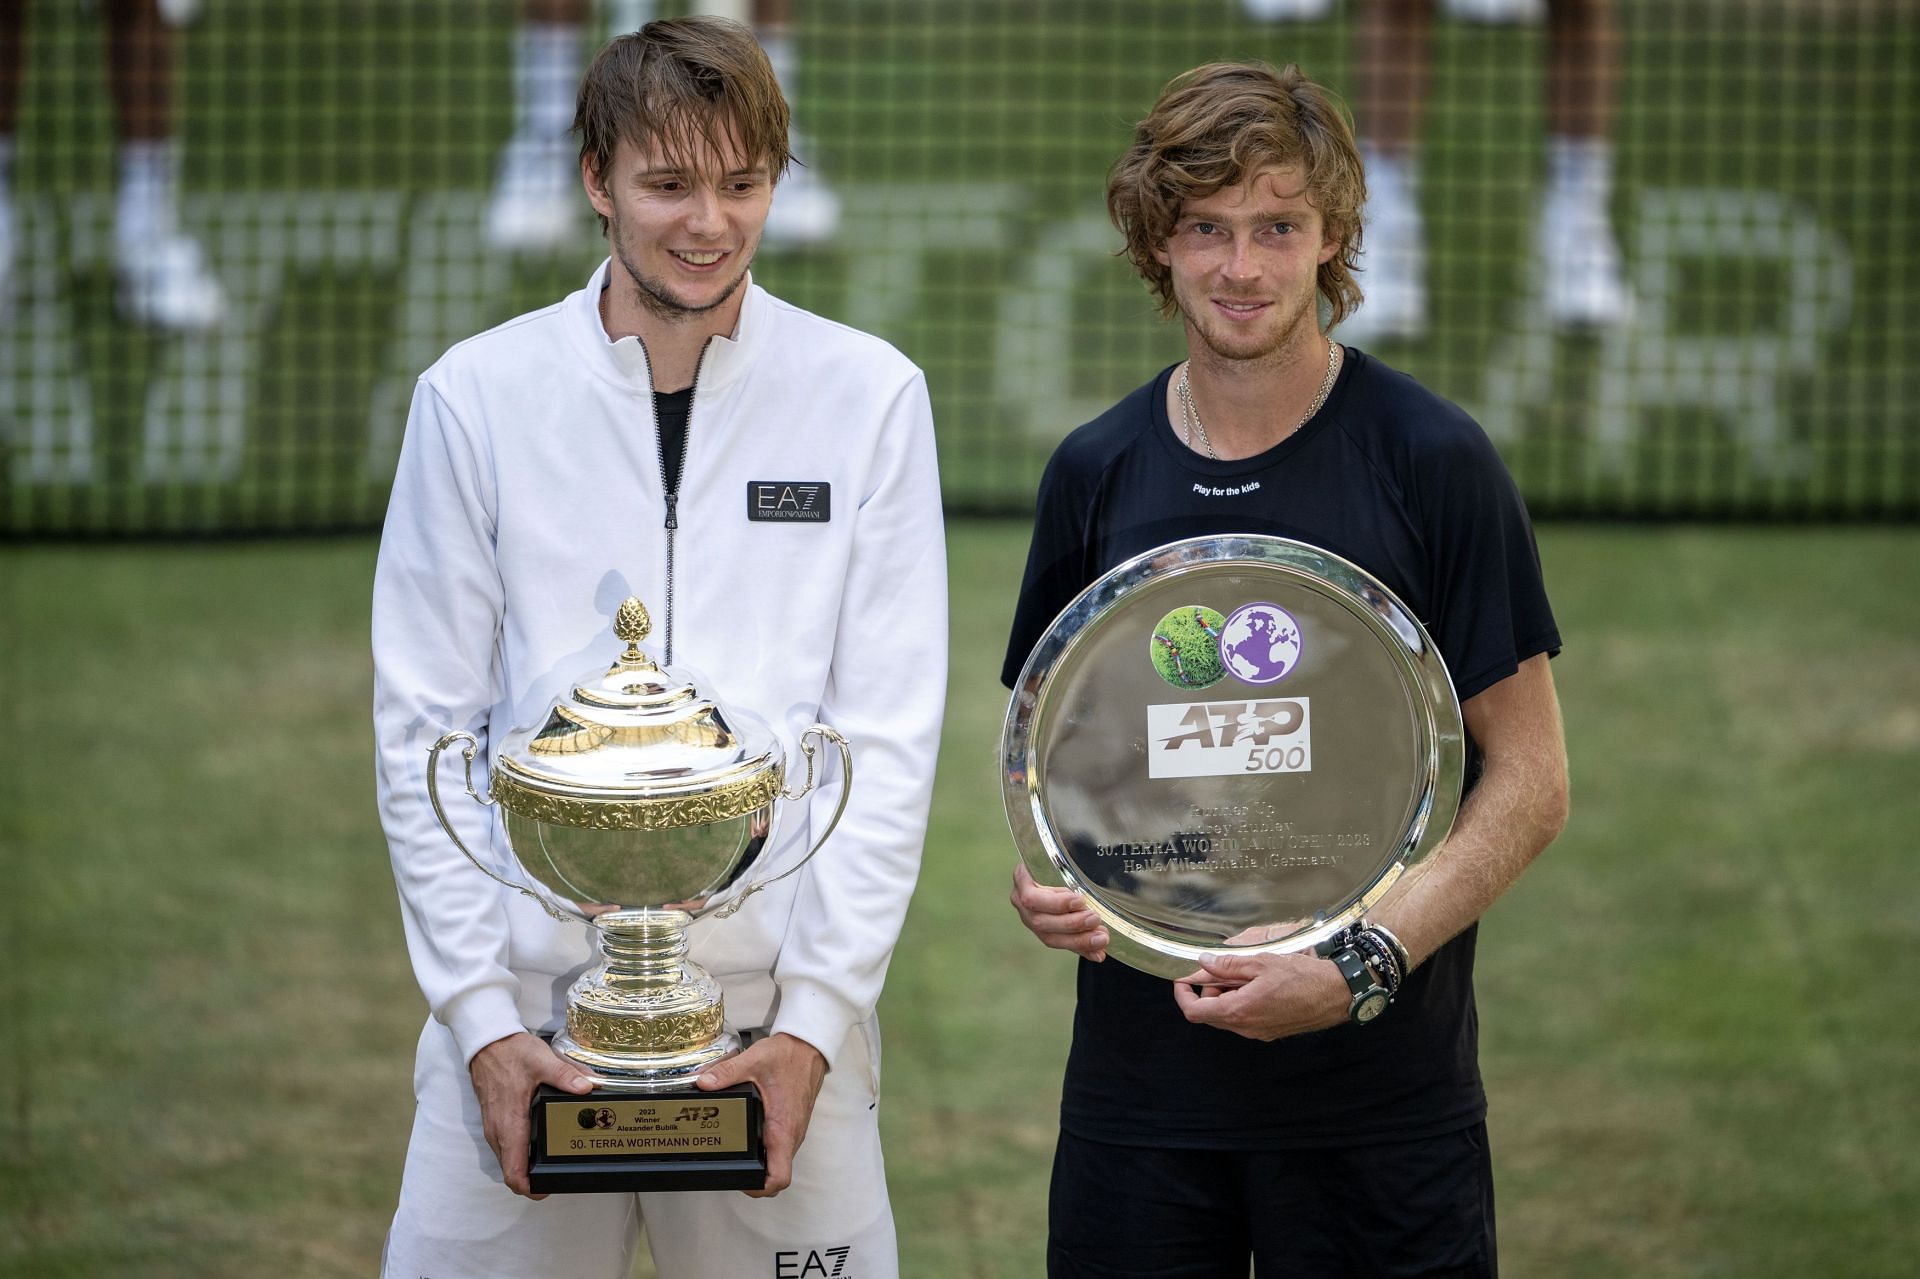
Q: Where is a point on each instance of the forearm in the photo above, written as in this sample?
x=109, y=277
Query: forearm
x=1504, y=825
x=852, y=898
x=1518, y=808
x=886, y=693
x=437, y=603
x=454, y=915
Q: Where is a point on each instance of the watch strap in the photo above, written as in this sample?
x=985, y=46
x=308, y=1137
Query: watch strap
x=1370, y=998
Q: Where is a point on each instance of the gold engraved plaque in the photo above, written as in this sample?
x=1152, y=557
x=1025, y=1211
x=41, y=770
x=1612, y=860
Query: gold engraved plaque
x=602, y=1126
x=1231, y=744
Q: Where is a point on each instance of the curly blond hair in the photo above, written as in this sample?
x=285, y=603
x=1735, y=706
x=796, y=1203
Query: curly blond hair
x=1212, y=127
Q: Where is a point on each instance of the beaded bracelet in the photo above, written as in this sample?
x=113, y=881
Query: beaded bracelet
x=1399, y=950
x=1380, y=957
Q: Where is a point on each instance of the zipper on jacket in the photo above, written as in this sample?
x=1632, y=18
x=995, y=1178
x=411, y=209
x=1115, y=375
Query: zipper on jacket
x=673, y=490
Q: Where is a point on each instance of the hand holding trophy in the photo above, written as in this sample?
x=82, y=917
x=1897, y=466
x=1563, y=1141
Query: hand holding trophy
x=638, y=804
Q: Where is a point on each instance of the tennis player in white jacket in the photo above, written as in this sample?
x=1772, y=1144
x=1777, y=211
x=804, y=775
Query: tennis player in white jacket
x=621, y=443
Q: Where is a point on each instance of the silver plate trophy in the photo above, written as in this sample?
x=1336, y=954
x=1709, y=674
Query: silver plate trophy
x=638, y=803
x=1230, y=745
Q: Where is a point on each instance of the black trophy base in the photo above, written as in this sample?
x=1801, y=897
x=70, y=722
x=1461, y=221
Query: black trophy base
x=681, y=1140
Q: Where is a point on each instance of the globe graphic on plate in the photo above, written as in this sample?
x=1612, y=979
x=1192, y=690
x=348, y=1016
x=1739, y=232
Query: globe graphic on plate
x=1260, y=643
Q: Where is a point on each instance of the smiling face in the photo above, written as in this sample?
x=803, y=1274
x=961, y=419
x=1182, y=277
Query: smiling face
x=683, y=233
x=1244, y=264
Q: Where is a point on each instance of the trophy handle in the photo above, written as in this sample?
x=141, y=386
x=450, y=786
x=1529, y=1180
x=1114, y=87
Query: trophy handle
x=433, y=795
x=846, y=767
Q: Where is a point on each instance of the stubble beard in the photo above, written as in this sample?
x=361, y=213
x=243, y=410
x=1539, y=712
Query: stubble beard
x=1290, y=336
x=657, y=297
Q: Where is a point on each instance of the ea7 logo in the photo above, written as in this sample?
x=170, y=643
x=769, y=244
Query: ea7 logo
x=789, y=501
x=830, y=1263
x=1221, y=739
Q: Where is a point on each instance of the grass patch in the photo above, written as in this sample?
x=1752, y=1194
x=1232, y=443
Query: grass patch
x=1697, y=1049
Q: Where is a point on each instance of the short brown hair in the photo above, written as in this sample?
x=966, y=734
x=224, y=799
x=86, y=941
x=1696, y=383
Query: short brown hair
x=1215, y=125
x=679, y=85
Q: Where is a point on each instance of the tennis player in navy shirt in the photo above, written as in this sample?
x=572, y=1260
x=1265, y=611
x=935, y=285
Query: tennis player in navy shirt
x=1246, y=1116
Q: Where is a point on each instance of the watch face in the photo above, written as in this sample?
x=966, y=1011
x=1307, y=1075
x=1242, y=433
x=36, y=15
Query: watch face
x=1370, y=1006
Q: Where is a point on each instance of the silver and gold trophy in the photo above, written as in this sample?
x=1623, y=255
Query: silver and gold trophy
x=1231, y=745
x=638, y=803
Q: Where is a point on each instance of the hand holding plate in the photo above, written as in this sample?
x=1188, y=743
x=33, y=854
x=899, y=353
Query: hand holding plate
x=1264, y=997
x=1057, y=916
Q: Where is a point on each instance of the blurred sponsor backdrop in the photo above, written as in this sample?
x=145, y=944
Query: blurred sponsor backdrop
x=236, y=230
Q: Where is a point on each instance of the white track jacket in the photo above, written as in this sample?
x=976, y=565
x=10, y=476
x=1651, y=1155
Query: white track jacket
x=529, y=502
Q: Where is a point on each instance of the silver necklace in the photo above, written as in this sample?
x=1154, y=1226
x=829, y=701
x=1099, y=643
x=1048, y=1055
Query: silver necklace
x=1190, y=416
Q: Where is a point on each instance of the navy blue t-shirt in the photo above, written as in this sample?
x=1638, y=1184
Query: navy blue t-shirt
x=1407, y=486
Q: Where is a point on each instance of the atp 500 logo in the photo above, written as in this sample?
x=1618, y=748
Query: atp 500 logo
x=1222, y=739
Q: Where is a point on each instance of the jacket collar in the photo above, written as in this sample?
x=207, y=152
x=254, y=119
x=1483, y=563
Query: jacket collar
x=625, y=362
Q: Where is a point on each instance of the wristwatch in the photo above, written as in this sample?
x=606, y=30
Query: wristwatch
x=1370, y=998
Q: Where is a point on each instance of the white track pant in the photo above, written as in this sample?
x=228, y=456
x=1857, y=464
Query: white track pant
x=457, y=1219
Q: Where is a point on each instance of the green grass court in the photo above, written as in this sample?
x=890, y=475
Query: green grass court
x=1697, y=1018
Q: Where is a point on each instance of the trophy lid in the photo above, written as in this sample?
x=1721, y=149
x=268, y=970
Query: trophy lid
x=637, y=746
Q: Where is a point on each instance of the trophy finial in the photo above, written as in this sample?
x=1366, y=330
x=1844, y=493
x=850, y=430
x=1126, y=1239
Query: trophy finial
x=631, y=624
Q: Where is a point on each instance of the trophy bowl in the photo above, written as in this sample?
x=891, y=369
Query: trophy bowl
x=637, y=803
